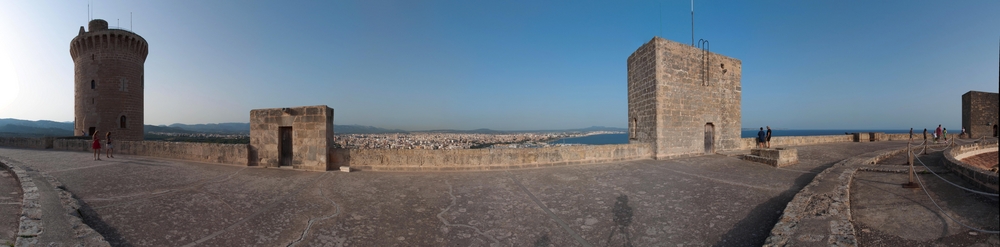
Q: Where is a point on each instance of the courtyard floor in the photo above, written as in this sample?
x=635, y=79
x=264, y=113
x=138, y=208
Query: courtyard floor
x=709, y=200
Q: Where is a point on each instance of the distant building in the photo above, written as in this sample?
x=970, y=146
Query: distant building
x=683, y=100
x=108, y=81
x=979, y=113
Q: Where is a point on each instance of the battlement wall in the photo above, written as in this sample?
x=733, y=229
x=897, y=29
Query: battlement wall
x=485, y=159
x=785, y=141
x=232, y=154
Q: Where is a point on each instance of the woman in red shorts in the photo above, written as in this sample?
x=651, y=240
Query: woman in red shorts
x=97, y=146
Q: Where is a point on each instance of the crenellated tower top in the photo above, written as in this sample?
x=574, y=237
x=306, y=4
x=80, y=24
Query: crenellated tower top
x=100, y=37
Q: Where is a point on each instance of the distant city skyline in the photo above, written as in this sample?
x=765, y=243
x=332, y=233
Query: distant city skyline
x=512, y=65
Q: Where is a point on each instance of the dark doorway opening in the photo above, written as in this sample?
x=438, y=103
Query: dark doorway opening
x=995, y=130
x=90, y=131
x=709, y=138
x=632, y=128
x=284, y=146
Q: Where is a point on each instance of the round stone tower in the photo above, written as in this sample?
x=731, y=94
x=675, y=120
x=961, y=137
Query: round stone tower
x=108, y=84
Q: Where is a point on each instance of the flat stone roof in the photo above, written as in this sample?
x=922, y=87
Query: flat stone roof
x=706, y=200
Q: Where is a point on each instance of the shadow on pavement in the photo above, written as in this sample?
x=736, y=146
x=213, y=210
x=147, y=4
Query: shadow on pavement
x=756, y=227
x=623, y=218
x=92, y=219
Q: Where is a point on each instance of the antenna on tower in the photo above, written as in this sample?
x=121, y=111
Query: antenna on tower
x=692, y=22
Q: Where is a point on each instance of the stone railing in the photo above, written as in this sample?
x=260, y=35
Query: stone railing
x=26, y=142
x=983, y=178
x=784, y=141
x=484, y=159
x=233, y=154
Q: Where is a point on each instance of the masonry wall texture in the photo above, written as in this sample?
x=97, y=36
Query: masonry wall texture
x=983, y=178
x=980, y=113
x=485, y=159
x=312, y=135
x=678, y=95
x=108, y=81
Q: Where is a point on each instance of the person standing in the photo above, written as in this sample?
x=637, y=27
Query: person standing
x=963, y=133
x=925, y=135
x=911, y=134
x=96, y=145
x=768, y=140
x=945, y=134
x=760, y=138
x=111, y=149
x=937, y=134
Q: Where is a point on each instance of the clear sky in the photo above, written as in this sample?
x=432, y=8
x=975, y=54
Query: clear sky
x=512, y=65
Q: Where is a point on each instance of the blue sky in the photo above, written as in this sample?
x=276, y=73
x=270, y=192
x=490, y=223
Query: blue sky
x=512, y=65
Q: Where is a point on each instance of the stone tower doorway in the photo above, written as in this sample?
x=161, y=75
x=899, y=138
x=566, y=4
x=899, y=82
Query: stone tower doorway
x=709, y=138
x=284, y=146
x=90, y=131
x=995, y=130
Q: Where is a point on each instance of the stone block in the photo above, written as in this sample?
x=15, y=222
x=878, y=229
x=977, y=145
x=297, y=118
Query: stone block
x=777, y=157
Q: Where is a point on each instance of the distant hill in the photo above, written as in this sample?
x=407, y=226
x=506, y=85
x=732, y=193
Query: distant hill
x=45, y=124
x=216, y=128
x=27, y=128
x=16, y=130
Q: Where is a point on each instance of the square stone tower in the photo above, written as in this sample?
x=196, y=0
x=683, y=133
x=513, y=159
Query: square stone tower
x=979, y=113
x=683, y=100
x=297, y=137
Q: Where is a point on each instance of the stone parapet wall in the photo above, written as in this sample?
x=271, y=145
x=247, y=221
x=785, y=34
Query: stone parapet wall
x=26, y=142
x=485, y=159
x=233, y=154
x=783, y=141
x=985, y=179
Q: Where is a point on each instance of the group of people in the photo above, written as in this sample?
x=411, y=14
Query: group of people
x=764, y=139
x=938, y=134
x=107, y=144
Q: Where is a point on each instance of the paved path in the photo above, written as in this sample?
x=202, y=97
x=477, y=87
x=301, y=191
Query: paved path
x=708, y=200
x=885, y=214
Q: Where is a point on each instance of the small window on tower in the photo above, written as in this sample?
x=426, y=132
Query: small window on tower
x=92, y=85
x=122, y=122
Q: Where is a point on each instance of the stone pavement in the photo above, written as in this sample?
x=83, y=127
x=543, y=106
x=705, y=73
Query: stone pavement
x=885, y=214
x=10, y=207
x=708, y=200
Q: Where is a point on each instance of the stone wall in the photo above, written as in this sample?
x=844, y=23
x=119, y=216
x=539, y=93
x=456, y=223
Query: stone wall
x=485, y=159
x=980, y=113
x=312, y=134
x=684, y=100
x=983, y=178
x=785, y=141
x=233, y=154
x=26, y=142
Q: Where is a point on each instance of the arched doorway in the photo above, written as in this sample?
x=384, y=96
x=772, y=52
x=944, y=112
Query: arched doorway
x=994, y=130
x=709, y=138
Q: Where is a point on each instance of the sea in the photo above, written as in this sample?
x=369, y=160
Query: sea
x=604, y=139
